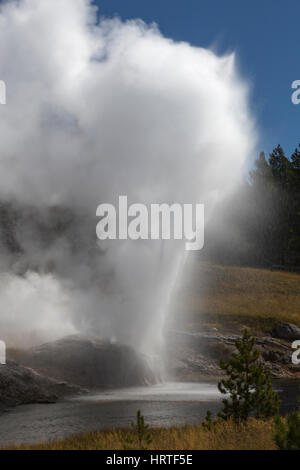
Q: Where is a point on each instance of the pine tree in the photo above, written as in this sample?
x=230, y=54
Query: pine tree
x=281, y=167
x=287, y=431
x=141, y=430
x=248, y=384
x=208, y=423
x=295, y=158
x=294, y=239
x=282, y=170
x=262, y=174
x=262, y=213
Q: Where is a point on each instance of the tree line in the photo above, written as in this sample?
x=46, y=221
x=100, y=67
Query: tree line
x=259, y=225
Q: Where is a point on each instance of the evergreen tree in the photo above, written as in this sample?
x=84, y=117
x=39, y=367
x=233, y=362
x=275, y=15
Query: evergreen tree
x=248, y=384
x=295, y=158
x=287, y=431
x=263, y=215
x=282, y=170
x=262, y=173
x=294, y=238
x=263, y=220
x=141, y=430
x=280, y=166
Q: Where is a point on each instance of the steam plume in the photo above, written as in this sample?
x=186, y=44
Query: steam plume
x=94, y=111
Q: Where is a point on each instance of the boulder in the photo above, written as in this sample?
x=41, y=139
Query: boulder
x=287, y=331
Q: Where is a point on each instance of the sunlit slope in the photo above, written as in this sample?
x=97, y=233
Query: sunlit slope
x=237, y=296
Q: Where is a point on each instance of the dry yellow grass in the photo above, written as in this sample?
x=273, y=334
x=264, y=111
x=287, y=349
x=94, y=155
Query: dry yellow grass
x=249, y=296
x=255, y=435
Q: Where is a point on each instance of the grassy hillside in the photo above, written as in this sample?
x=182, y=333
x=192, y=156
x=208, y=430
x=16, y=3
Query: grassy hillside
x=232, y=297
x=253, y=435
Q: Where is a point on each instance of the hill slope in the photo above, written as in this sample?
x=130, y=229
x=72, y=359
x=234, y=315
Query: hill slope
x=230, y=297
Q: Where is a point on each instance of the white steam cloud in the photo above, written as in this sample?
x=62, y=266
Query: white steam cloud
x=94, y=111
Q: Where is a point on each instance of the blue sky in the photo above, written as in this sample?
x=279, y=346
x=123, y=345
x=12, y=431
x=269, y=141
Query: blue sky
x=265, y=36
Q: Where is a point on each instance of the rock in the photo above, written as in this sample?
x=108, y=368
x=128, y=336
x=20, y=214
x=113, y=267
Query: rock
x=272, y=356
x=287, y=331
x=195, y=356
x=90, y=363
x=21, y=385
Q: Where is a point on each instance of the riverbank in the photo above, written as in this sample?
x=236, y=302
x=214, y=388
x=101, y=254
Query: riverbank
x=212, y=307
x=195, y=356
x=164, y=406
x=209, y=313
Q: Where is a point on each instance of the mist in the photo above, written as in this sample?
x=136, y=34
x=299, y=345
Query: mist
x=96, y=110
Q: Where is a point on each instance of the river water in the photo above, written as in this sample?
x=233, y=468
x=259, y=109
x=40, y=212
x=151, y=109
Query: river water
x=169, y=404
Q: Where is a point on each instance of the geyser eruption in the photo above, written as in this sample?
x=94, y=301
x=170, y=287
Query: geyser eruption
x=96, y=110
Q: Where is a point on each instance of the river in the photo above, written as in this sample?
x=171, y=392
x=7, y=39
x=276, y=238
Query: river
x=169, y=404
